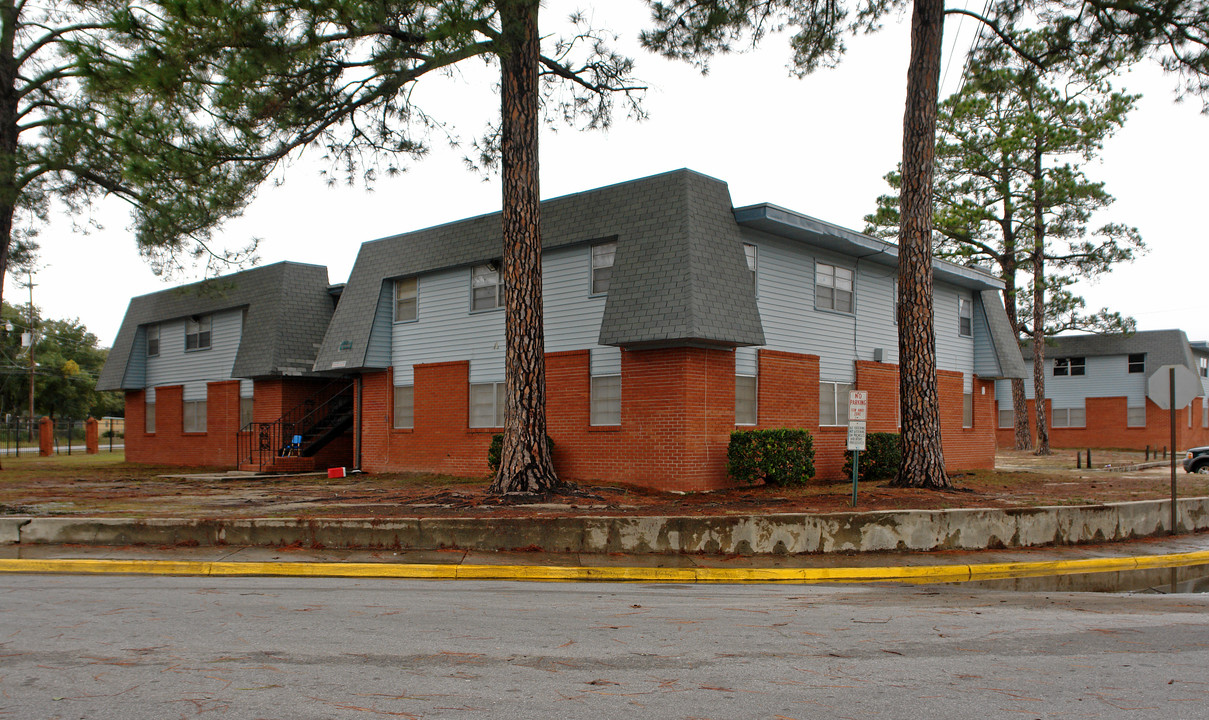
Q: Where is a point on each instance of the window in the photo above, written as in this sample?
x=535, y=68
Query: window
x=602, y=266
x=1137, y=362
x=1205, y=412
x=485, y=288
x=405, y=406
x=1069, y=366
x=833, y=403
x=149, y=412
x=1204, y=363
x=1069, y=417
x=194, y=416
x=487, y=405
x=197, y=332
x=753, y=262
x=833, y=288
x=606, y=400
x=967, y=410
x=153, y=340
x=965, y=318
x=406, y=291
x=1007, y=418
x=245, y=412
x=1135, y=416
x=745, y=400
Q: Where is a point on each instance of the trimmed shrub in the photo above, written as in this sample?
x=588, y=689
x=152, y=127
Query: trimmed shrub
x=778, y=457
x=879, y=460
x=496, y=448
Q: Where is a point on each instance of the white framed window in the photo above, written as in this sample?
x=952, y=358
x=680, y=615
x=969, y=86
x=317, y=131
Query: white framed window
x=1205, y=412
x=833, y=288
x=602, y=266
x=404, y=415
x=406, y=295
x=1070, y=366
x=485, y=289
x=1135, y=416
x=1137, y=362
x=606, y=400
x=965, y=317
x=193, y=415
x=752, y=254
x=746, y=409
x=1069, y=417
x=153, y=340
x=967, y=410
x=1204, y=365
x=833, y=403
x=149, y=411
x=197, y=332
x=1007, y=418
x=487, y=403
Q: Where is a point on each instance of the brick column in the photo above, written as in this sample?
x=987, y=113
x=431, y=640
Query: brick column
x=46, y=437
x=91, y=436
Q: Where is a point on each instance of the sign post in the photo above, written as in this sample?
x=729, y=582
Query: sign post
x=1172, y=387
x=858, y=406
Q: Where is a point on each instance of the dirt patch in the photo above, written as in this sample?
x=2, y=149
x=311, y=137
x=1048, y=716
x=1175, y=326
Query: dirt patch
x=47, y=487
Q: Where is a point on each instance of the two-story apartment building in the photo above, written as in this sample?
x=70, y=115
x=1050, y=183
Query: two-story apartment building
x=671, y=319
x=1096, y=391
x=202, y=362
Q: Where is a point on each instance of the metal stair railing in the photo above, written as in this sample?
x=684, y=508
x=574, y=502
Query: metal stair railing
x=311, y=420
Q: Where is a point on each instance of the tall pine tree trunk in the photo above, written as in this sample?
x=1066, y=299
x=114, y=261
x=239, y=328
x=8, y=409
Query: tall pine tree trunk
x=923, y=462
x=525, y=463
x=1039, y=305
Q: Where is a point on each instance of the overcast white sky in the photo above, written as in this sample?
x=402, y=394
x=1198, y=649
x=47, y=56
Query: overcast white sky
x=819, y=146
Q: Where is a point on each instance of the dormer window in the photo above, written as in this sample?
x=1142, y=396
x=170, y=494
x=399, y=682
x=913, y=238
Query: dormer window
x=602, y=266
x=197, y=332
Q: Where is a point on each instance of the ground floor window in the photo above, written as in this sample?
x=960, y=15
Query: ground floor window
x=487, y=403
x=1135, y=416
x=967, y=410
x=404, y=406
x=745, y=400
x=245, y=412
x=606, y=400
x=1007, y=418
x=833, y=403
x=1069, y=417
x=149, y=415
x=194, y=415
x=1205, y=412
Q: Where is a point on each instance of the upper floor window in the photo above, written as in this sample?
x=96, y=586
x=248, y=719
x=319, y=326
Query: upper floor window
x=197, y=332
x=1204, y=363
x=153, y=340
x=1069, y=366
x=485, y=289
x=406, y=292
x=753, y=262
x=833, y=288
x=965, y=318
x=602, y=266
x=1137, y=362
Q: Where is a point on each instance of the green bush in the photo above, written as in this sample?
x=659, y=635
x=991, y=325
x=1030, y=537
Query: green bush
x=879, y=460
x=778, y=457
x=496, y=448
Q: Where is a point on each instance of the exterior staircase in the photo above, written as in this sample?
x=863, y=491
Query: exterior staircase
x=289, y=443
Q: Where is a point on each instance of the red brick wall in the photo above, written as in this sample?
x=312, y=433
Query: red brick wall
x=1107, y=427
x=170, y=445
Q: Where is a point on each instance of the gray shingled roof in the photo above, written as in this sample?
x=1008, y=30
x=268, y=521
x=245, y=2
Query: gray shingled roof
x=288, y=308
x=1011, y=364
x=679, y=274
x=1162, y=347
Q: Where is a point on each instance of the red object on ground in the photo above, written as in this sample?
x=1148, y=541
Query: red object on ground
x=335, y=472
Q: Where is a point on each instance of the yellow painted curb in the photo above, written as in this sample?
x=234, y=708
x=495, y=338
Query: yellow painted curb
x=910, y=574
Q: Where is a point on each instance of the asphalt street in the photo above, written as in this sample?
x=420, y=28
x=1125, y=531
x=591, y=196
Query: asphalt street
x=76, y=646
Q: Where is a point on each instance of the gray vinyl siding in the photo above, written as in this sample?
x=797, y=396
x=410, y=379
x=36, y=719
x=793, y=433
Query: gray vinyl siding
x=1106, y=376
x=136, y=369
x=446, y=329
x=193, y=369
x=986, y=362
x=792, y=323
x=379, y=350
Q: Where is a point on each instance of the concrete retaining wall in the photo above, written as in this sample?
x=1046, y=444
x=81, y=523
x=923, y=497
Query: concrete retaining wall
x=773, y=534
